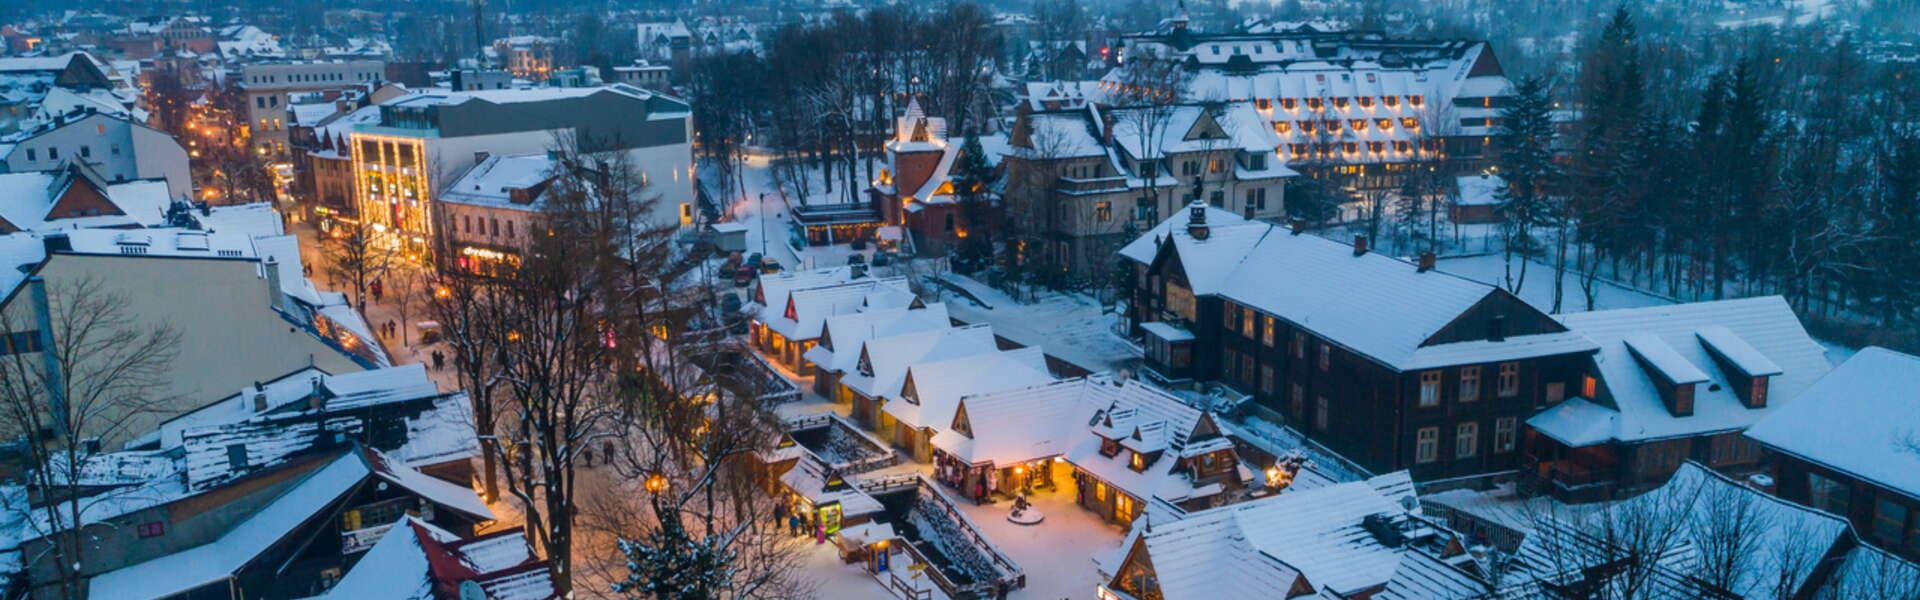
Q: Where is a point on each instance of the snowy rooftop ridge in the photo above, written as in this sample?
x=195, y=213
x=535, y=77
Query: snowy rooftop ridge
x=1858, y=419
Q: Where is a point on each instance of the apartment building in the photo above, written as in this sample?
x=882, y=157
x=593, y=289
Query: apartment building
x=270, y=88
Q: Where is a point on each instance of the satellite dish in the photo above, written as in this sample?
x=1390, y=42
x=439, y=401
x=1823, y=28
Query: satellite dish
x=470, y=590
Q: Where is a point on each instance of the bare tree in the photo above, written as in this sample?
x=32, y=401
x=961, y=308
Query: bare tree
x=358, y=256
x=82, y=369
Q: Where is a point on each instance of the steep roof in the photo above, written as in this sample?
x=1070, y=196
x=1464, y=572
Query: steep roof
x=1023, y=424
x=850, y=332
x=1862, y=418
x=932, y=390
x=184, y=571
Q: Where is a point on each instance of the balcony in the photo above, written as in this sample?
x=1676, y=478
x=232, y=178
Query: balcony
x=359, y=540
x=1575, y=482
x=1075, y=186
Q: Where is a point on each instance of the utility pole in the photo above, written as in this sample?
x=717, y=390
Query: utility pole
x=479, y=32
x=763, y=228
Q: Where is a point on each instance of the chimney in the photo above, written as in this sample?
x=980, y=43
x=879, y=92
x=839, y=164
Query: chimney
x=1106, y=129
x=1297, y=225
x=1426, y=261
x=274, y=293
x=317, y=399
x=259, y=403
x=856, y=270
x=1359, y=244
x=1197, y=221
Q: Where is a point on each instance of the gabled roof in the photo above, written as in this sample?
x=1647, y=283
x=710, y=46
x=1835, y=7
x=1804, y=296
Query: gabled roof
x=807, y=310
x=1688, y=522
x=1372, y=304
x=888, y=358
x=1675, y=341
x=932, y=390
x=1023, y=424
x=417, y=561
x=202, y=565
x=850, y=333
x=1258, y=546
x=1862, y=418
x=1146, y=420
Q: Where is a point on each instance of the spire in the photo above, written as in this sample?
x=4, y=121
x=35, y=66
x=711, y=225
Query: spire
x=1181, y=16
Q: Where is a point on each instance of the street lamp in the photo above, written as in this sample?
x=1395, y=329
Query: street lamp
x=656, y=483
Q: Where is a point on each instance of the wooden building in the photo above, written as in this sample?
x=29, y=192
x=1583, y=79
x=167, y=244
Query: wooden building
x=1670, y=384
x=1394, y=364
x=1846, y=446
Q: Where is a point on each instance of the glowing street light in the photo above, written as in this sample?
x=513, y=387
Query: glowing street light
x=656, y=483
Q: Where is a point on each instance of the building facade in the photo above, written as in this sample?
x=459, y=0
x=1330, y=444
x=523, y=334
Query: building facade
x=1392, y=364
x=270, y=87
x=1081, y=182
x=116, y=147
x=421, y=142
x=1357, y=105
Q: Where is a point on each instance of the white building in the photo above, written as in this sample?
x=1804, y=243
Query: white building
x=270, y=88
x=114, y=146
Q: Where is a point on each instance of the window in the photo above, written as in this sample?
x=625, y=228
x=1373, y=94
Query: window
x=1229, y=362
x=21, y=342
x=509, y=229
x=1246, y=323
x=1137, y=462
x=1503, y=434
x=1509, y=379
x=260, y=102
x=1320, y=410
x=1299, y=344
x=1429, y=389
x=1466, y=440
x=1359, y=124
x=1266, y=332
x=86, y=151
x=1556, y=392
x=237, y=456
x=1326, y=357
x=53, y=153
x=153, y=529
x=1215, y=165
x=1144, y=210
x=1100, y=491
x=1266, y=379
x=1469, y=384
x=1589, y=387
x=30, y=153
x=1297, y=398
x=1889, y=521
x=1426, y=445
x=1102, y=212
x=1282, y=127
x=1228, y=319
x=1826, y=494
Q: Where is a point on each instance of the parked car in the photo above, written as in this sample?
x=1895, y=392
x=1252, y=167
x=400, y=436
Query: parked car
x=743, y=276
x=770, y=266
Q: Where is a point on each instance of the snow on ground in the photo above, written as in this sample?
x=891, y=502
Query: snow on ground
x=1057, y=553
x=765, y=208
x=1537, y=289
x=1070, y=327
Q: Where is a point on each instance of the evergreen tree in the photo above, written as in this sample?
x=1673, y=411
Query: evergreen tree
x=972, y=181
x=1526, y=163
x=1312, y=200
x=669, y=564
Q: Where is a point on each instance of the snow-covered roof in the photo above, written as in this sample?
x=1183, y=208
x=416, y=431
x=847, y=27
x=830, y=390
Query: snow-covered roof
x=1372, y=304
x=1259, y=548
x=932, y=390
x=887, y=358
x=806, y=310
x=1188, y=128
x=813, y=480
x=1479, y=190
x=772, y=289
x=1687, y=522
x=257, y=219
x=1146, y=420
x=1142, y=249
x=492, y=182
x=1637, y=343
x=27, y=198
x=1862, y=419
x=291, y=391
x=415, y=560
x=849, y=333
x=1021, y=425
x=436, y=431
x=184, y=571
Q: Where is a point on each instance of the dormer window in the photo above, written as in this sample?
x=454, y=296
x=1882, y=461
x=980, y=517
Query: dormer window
x=1138, y=462
x=1108, y=447
x=1289, y=103
x=1757, y=392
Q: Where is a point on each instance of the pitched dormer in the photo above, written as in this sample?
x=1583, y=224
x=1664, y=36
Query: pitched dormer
x=961, y=424
x=791, y=314
x=908, y=391
x=1670, y=372
x=866, y=362
x=1749, y=372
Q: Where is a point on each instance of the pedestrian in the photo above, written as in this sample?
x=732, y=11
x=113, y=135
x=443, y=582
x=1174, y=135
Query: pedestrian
x=439, y=361
x=391, y=329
